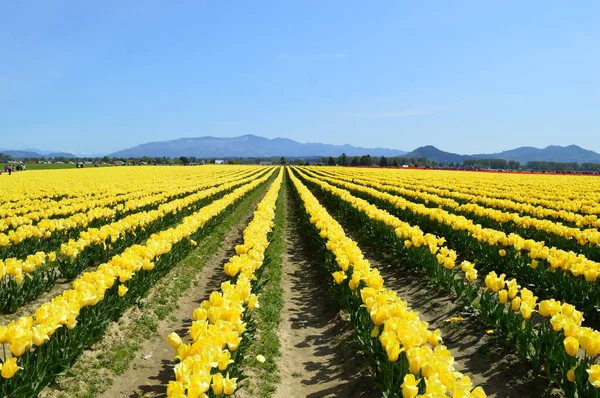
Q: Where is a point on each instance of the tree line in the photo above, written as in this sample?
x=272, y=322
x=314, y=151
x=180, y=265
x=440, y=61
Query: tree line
x=470, y=164
x=342, y=160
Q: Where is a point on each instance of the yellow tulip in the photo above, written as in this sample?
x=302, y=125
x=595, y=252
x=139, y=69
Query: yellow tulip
x=571, y=345
x=229, y=385
x=375, y=331
x=471, y=275
x=174, y=340
x=526, y=309
x=253, y=302
x=217, y=384
x=176, y=389
x=393, y=351
x=571, y=375
x=339, y=276
x=415, y=361
x=122, y=290
x=3, y=334
x=436, y=338
x=503, y=296
x=198, y=385
x=224, y=360
x=409, y=386
x=448, y=263
x=10, y=367
x=516, y=304
x=594, y=375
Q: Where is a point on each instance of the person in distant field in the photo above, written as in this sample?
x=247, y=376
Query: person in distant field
x=9, y=169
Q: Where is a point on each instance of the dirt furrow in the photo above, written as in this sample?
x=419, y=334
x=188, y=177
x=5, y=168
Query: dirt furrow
x=319, y=357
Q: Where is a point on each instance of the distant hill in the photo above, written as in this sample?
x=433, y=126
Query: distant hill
x=24, y=153
x=552, y=153
x=246, y=146
x=255, y=146
x=21, y=154
x=432, y=153
x=61, y=154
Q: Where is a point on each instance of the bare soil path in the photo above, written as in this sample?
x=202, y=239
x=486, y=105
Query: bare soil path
x=319, y=357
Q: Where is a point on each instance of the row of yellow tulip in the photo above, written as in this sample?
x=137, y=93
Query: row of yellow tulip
x=378, y=181
x=449, y=193
x=576, y=265
x=70, y=188
x=91, y=288
x=218, y=323
x=413, y=235
x=48, y=226
x=563, y=316
x=571, y=193
x=17, y=269
x=30, y=213
x=399, y=329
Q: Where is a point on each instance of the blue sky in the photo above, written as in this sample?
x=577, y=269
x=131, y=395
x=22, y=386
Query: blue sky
x=468, y=77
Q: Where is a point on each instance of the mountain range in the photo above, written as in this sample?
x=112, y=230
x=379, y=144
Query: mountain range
x=552, y=153
x=255, y=146
x=247, y=146
x=35, y=153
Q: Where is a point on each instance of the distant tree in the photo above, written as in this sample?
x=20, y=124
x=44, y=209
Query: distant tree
x=343, y=160
x=355, y=161
x=514, y=165
x=383, y=161
x=590, y=166
x=184, y=160
x=232, y=161
x=299, y=162
x=283, y=160
x=395, y=164
x=331, y=161
x=365, y=160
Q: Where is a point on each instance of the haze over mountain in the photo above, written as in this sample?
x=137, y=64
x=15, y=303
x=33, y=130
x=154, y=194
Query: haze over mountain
x=247, y=146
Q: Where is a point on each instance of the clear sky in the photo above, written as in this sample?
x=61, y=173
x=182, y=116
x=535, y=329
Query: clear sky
x=467, y=77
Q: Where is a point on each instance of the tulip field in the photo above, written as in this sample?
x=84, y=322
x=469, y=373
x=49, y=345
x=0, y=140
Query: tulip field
x=517, y=254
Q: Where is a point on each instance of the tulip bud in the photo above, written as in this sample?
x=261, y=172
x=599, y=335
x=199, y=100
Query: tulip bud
x=502, y=296
x=516, y=304
x=174, y=340
x=571, y=375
